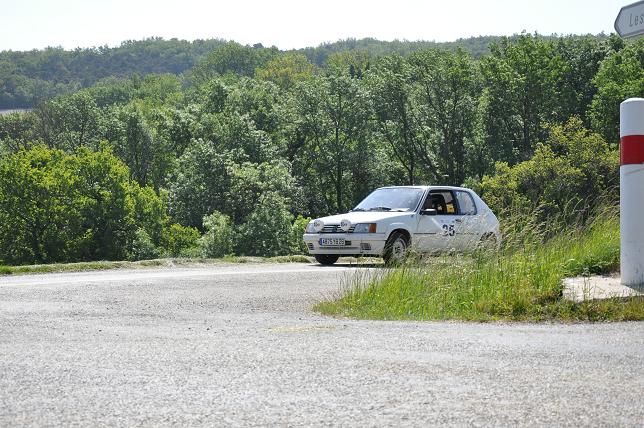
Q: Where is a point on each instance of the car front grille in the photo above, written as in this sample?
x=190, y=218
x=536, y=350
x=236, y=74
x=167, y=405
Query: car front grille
x=335, y=228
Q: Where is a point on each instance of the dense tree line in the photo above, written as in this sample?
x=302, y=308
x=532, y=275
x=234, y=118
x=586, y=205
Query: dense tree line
x=234, y=156
x=27, y=78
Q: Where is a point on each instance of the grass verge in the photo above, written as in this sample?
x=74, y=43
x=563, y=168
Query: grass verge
x=171, y=262
x=521, y=283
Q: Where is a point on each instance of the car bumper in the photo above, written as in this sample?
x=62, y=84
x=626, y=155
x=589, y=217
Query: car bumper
x=368, y=244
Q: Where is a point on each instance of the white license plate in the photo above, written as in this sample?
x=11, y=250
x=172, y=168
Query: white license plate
x=331, y=242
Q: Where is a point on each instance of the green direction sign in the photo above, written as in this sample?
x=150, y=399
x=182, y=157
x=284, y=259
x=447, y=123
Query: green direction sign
x=630, y=20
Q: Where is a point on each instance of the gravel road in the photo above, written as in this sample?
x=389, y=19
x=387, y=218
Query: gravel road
x=239, y=345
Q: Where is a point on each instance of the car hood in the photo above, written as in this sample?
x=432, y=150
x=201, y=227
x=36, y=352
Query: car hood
x=364, y=217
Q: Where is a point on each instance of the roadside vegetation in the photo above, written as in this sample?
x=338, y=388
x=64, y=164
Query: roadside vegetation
x=233, y=155
x=523, y=282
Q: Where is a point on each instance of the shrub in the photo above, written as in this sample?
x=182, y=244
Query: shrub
x=562, y=180
x=59, y=207
x=297, y=230
x=179, y=240
x=219, y=238
x=143, y=248
x=267, y=231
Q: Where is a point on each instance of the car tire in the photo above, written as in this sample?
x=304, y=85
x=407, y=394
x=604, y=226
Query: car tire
x=395, y=248
x=326, y=259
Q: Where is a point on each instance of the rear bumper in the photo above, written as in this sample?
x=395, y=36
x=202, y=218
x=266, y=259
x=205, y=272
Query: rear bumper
x=371, y=244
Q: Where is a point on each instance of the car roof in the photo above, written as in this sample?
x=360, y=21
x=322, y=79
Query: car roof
x=427, y=187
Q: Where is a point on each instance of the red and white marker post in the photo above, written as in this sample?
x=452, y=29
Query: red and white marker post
x=631, y=190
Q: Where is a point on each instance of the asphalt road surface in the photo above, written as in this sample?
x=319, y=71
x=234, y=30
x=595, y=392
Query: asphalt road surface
x=239, y=345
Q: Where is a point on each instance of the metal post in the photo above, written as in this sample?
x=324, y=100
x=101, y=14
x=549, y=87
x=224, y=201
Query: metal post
x=631, y=189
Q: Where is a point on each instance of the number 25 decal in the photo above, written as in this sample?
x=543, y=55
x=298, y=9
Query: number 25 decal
x=448, y=230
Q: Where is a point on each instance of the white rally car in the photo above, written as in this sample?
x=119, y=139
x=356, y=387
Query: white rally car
x=391, y=219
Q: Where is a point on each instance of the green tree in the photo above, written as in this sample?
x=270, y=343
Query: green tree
x=210, y=179
x=520, y=78
x=396, y=112
x=37, y=222
x=199, y=184
x=621, y=76
x=267, y=229
x=16, y=131
x=354, y=64
x=249, y=181
x=179, y=240
x=219, y=239
x=143, y=248
x=69, y=122
x=580, y=58
x=58, y=207
x=257, y=100
x=448, y=84
x=232, y=58
x=333, y=114
x=566, y=175
x=286, y=70
x=136, y=141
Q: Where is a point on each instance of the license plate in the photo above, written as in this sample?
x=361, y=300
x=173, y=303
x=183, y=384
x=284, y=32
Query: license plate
x=331, y=242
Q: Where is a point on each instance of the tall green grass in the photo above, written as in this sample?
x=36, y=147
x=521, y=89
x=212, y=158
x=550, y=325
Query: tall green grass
x=521, y=282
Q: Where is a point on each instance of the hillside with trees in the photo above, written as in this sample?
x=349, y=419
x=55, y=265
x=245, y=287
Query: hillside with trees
x=27, y=78
x=233, y=149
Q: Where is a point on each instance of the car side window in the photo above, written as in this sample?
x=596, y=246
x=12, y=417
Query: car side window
x=442, y=201
x=465, y=203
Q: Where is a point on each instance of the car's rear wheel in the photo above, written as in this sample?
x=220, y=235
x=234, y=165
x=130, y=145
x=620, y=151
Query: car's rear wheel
x=326, y=259
x=395, y=248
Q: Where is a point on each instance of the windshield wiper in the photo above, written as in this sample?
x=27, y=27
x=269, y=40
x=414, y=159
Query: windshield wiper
x=357, y=209
x=380, y=209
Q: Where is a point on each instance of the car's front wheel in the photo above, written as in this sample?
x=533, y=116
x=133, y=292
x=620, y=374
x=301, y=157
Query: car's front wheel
x=326, y=259
x=395, y=248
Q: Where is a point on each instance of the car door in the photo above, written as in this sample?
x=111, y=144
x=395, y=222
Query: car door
x=469, y=222
x=439, y=232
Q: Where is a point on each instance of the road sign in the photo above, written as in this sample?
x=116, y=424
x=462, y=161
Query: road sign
x=630, y=20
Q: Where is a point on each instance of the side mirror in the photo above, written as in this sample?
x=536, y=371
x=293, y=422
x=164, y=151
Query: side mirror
x=428, y=211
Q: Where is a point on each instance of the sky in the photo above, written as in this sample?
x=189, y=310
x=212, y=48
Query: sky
x=288, y=24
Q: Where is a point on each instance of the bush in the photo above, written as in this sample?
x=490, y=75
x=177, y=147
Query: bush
x=59, y=207
x=180, y=241
x=219, y=239
x=143, y=248
x=297, y=230
x=267, y=231
x=562, y=180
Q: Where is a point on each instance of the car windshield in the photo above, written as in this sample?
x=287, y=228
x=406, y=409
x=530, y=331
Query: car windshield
x=391, y=199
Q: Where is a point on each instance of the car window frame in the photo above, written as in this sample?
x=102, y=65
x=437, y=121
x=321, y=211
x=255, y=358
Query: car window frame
x=429, y=192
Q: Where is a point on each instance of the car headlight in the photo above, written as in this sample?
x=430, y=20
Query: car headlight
x=365, y=228
x=345, y=225
x=314, y=226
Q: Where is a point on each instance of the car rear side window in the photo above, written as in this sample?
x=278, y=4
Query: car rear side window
x=465, y=203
